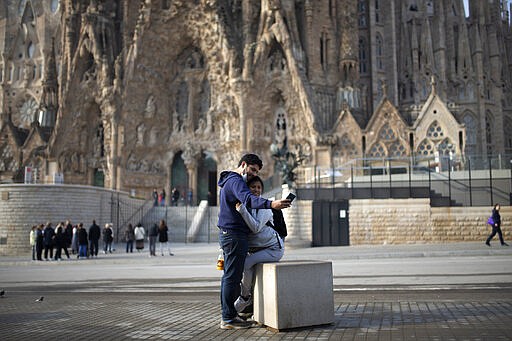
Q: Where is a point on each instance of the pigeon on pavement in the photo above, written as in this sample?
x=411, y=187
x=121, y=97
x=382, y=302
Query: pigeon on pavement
x=40, y=299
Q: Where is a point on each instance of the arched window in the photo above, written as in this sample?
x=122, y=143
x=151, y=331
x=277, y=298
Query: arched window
x=362, y=56
x=377, y=150
x=377, y=11
x=397, y=149
x=362, y=20
x=435, y=131
x=426, y=148
x=379, y=52
x=386, y=133
x=30, y=50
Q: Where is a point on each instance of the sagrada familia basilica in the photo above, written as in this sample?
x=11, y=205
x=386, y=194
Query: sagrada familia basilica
x=138, y=94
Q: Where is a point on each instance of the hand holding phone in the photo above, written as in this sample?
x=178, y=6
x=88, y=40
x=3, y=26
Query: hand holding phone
x=291, y=196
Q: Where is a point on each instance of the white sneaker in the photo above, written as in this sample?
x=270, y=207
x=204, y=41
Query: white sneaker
x=241, y=303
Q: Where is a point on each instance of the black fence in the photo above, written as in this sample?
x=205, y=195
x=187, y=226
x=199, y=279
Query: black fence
x=179, y=219
x=446, y=181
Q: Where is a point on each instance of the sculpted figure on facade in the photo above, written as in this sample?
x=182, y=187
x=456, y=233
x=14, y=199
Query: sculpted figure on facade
x=141, y=130
x=150, y=110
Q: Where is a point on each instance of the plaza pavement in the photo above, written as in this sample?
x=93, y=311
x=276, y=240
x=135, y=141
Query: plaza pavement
x=455, y=291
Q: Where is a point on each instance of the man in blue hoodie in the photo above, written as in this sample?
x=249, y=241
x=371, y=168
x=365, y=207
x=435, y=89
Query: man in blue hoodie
x=233, y=232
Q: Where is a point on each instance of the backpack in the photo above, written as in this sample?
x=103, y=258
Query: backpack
x=279, y=223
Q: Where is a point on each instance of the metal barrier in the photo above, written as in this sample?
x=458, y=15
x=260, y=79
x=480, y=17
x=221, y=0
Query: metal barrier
x=446, y=181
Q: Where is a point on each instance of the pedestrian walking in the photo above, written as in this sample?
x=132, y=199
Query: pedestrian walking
x=39, y=242
x=129, y=236
x=94, y=237
x=162, y=197
x=495, y=222
x=60, y=242
x=108, y=238
x=74, y=240
x=32, y=238
x=152, y=235
x=82, y=241
x=48, y=235
x=163, y=238
x=139, y=237
x=155, y=197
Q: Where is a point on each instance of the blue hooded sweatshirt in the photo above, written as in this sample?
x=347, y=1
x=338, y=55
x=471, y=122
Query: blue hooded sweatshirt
x=234, y=189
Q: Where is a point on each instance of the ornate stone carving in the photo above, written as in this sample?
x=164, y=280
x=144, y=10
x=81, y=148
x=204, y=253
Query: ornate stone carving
x=150, y=110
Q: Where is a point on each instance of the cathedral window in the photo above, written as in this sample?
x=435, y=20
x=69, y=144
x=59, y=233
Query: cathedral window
x=446, y=147
x=11, y=73
x=426, y=148
x=362, y=56
x=387, y=133
x=397, y=150
x=379, y=50
x=435, y=131
x=324, y=47
x=377, y=151
x=377, y=11
x=362, y=20
x=361, y=6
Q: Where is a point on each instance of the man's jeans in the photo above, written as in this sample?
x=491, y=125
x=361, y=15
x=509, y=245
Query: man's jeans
x=235, y=248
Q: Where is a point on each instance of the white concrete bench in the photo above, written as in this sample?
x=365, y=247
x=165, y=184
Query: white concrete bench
x=293, y=294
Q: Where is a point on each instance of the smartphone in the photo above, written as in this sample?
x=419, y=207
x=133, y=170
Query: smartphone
x=291, y=196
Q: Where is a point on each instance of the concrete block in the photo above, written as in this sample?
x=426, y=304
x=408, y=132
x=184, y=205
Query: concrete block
x=293, y=294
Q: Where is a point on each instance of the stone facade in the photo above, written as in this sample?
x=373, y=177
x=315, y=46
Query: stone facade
x=137, y=94
x=22, y=206
x=402, y=221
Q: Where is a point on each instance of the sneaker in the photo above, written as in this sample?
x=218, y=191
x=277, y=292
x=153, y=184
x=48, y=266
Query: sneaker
x=242, y=304
x=504, y=244
x=171, y=254
x=487, y=243
x=236, y=323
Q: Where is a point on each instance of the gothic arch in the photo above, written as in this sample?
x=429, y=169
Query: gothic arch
x=377, y=150
x=179, y=175
x=435, y=131
x=386, y=133
x=426, y=148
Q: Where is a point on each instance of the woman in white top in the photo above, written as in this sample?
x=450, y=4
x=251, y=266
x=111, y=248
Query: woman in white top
x=265, y=245
x=139, y=237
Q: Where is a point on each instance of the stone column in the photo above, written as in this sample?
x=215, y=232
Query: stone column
x=189, y=157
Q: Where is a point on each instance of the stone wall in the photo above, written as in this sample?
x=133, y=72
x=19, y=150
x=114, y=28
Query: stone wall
x=386, y=221
x=400, y=221
x=22, y=206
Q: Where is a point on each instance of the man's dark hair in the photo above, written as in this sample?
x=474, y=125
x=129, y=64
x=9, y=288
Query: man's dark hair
x=251, y=159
